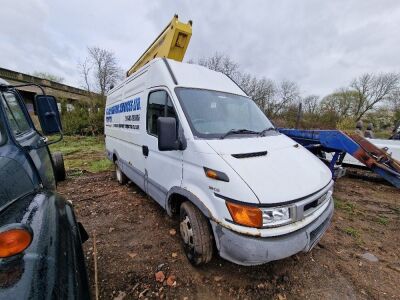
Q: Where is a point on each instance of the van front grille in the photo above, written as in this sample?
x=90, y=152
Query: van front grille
x=312, y=206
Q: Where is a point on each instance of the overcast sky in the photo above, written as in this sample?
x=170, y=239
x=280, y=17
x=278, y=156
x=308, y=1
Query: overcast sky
x=321, y=45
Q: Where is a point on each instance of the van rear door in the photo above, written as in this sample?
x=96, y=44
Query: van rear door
x=163, y=169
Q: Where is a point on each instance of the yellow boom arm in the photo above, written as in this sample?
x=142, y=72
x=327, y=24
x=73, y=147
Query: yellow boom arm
x=171, y=43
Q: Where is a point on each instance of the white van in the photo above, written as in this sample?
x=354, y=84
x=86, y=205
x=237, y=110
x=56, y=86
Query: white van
x=193, y=141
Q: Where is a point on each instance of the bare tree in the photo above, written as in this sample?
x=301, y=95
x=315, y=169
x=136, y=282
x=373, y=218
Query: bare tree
x=288, y=93
x=100, y=69
x=85, y=68
x=221, y=63
x=263, y=92
x=340, y=103
x=311, y=104
x=372, y=89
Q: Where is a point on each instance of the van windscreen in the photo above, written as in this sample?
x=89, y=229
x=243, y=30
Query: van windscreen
x=213, y=114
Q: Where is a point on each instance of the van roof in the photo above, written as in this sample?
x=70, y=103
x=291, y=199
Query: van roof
x=195, y=76
x=161, y=71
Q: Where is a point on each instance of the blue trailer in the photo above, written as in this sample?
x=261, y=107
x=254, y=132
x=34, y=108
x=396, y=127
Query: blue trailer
x=339, y=143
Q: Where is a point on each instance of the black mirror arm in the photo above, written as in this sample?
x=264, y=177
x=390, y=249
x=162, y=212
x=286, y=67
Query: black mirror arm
x=44, y=142
x=28, y=84
x=57, y=140
x=182, y=144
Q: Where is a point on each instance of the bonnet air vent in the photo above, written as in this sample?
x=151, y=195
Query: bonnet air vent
x=247, y=155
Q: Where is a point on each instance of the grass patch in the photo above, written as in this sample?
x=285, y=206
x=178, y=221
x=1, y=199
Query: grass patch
x=100, y=165
x=352, y=232
x=83, y=153
x=345, y=206
x=382, y=220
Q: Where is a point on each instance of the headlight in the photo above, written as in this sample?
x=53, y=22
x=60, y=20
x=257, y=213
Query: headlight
x=275, y=216
x=258, y=217
x=245, y=215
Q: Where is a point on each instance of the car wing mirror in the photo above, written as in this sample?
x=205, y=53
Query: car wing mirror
x=48, y=114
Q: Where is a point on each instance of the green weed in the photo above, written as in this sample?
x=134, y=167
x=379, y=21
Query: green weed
x=352, y=232
x=382, y=220
x=345, y=206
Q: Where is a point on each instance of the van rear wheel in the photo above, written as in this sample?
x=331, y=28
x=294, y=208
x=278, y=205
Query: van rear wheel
x=119, y=175
x=196, y=234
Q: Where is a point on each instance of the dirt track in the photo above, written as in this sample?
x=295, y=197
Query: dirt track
x=135, y=239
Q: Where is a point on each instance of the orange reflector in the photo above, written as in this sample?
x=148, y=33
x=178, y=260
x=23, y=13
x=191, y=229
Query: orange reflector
x=245, y=215
x=14, y=241
x=212, y=174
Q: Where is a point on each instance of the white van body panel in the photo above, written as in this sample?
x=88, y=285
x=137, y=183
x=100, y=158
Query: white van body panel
x=287, y=173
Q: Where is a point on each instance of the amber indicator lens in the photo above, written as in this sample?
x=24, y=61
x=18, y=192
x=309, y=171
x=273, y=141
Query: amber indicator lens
x=212, y=174
x=217, y=175
x=245, y=215
x=14, y=241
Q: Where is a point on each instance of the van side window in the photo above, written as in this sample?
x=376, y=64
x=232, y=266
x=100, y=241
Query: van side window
x=159, y=105
x=18, y=122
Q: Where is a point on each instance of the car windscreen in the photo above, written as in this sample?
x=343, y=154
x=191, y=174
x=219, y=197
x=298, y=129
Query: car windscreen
x=14, y=113
x=211, y=114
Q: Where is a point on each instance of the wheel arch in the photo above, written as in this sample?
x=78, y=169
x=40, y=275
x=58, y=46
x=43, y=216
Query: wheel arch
x=114, y=156
x=177, y=195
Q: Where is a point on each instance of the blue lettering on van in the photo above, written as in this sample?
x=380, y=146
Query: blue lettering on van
x=127, y=106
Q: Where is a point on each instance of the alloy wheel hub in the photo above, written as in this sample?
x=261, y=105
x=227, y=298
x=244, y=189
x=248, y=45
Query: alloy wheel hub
x=186, y=231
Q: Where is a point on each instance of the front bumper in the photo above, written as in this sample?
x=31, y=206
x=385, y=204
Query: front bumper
x=249, y=250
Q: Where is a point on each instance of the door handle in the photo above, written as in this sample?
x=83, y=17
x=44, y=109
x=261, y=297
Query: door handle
x=145, y=150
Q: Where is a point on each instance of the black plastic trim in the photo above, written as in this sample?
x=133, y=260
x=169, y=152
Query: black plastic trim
x=221, y=175
x=170, y=71
x=251, y=154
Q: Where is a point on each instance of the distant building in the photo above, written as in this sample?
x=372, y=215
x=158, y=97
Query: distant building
x=60, y=91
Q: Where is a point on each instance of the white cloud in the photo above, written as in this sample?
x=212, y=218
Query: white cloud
x=321, y=45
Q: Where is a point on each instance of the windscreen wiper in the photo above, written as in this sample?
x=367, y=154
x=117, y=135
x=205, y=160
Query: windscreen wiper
x=263, y=132
x=238, y=131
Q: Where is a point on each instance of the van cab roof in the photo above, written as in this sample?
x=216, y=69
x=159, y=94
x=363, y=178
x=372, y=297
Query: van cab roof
x=195, y=76
x=162, y=71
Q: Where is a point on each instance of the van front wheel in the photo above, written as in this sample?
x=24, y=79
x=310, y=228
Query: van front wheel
x=196, y=234
x=120, y=176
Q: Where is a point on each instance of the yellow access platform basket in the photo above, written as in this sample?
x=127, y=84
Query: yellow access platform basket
x=171, y=43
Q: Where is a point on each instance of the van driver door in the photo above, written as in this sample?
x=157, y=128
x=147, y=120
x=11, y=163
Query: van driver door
x=163, y=169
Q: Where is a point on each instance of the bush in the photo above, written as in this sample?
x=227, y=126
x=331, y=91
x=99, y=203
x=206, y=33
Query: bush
x=84, y=118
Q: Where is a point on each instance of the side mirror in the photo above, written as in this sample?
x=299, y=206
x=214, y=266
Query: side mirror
x=167, y=137
x=47, y=111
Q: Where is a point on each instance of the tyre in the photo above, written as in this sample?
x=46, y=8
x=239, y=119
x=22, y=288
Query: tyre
x=119, y=175
x=59, y=168
x=196, y=234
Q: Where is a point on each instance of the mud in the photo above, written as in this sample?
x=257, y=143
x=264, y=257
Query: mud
x=135, y=239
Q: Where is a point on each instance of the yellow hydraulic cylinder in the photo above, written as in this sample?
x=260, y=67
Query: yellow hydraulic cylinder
x=171, y=43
